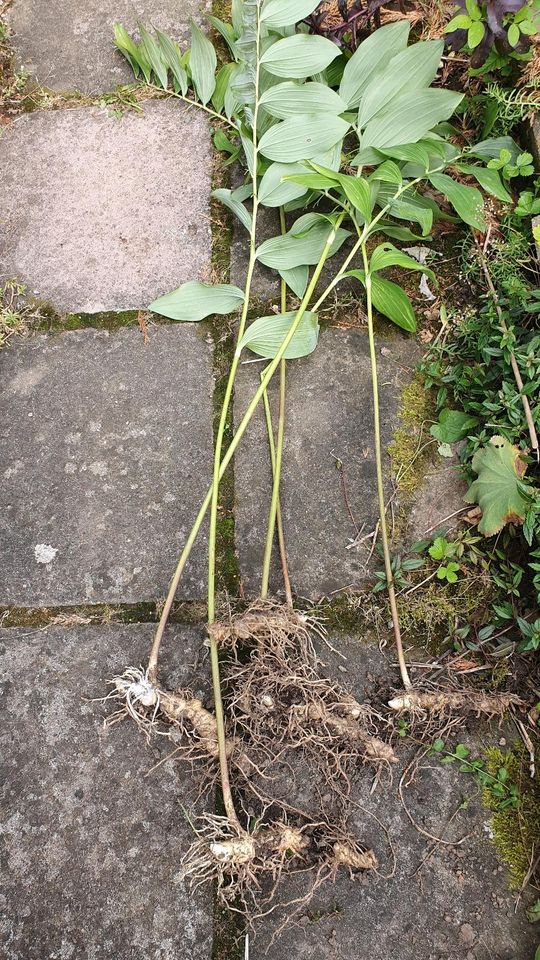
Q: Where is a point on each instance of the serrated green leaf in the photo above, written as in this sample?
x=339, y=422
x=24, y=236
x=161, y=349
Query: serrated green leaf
x=292, y=99
x=466, y=201
x=202, y=64
x=301, y=138
x=497, y=490
x=285, y=13
x=371, y=58
x=299, y=56
x=266, y=335
x=453, y=426
x=194, y=301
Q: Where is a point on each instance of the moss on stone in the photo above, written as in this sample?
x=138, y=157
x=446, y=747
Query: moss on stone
x=516, y=831
x=409, y=460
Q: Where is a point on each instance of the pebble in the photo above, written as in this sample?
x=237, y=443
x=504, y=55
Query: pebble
x=467, y=934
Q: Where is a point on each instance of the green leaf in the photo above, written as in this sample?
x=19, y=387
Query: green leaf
x=154, y=56
x=285, y=13
x=286, y=252
x=290, y=99
x=388, y=171
x=194, y=301
x=513, y=34
x=411, y=69
x=466, y=201
x=386, y=255
x=301, y=138
x=131, y=51
x=358, y=192
x=202, y=64
x=389, y=299
x=234, y=205
x=371, y=58
x=223, y=81
x=489, y=180
x=266, y=335
x=226, y=30
x=497, y=489
x=475, y=34
x=409, y=117
x=173, y=58
x=392, y=302
x=461, y=751
x=461, y=22
x=490, y=149
x=297, y=279
x=453, y=426
x=438, y=745
x=299, y=56
x=274, y=190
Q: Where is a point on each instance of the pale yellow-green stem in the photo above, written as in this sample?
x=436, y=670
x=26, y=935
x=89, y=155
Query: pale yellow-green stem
x=380, y=481
x=276, y=458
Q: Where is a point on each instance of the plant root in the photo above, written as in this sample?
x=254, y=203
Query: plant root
x=279, y=700
x=441, y=703
x=149, y=703
x=266, y=621
x=248, y=867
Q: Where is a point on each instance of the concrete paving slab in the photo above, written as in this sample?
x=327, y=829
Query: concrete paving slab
x=73, y=50
x=328, y=490
x=103, y=213
x=91, y=845
x=106, y=451
x=434, y=901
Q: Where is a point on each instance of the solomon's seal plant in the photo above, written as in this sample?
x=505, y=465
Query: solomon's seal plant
x=342, y=148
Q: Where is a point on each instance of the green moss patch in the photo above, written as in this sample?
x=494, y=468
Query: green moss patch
x=516, y=832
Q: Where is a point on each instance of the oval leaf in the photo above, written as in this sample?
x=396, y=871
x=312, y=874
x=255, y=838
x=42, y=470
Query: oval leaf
x=285, y=13
x=301, y=138
x=299, y=56
x=194, y=301
x=411, y=69
x=266, y=335
x=202, y=64
x=371, y=57
x=466, y=201
x=389, y=299
x=290, y=99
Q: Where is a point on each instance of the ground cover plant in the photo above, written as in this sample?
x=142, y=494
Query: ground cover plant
x=356, y=152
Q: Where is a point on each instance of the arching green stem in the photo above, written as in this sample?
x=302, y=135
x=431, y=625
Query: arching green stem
x=380, y=481
x=274, y=515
